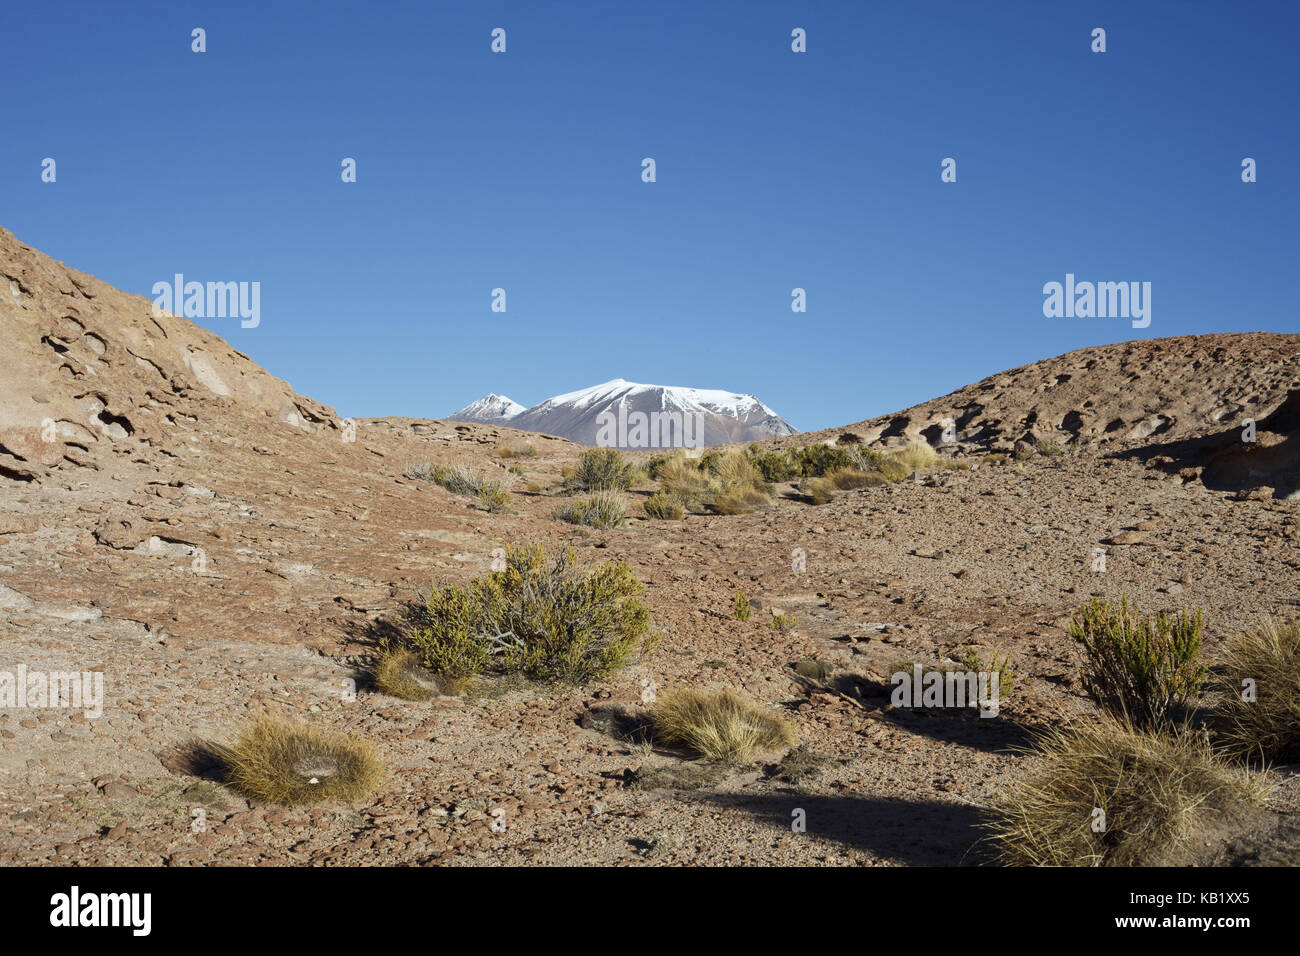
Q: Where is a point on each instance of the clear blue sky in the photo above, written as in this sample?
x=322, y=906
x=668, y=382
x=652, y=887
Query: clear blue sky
x=775, y=170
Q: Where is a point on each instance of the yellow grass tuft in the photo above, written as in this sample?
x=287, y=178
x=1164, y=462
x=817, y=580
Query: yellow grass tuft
x=917, y=456
x=1106, y=793
x=282, y=761
x=719, y=725
x=398, y=673
x=1260, y=681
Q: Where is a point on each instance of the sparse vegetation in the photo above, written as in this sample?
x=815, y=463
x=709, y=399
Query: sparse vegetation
x=603, y=469
x=969, y=662
x=972, y=661
x=1107, y=793
x=681, y=478
x=719, y=725
x=663, y=505
x=493, y=494
x=1049, y=449
x=286, y=762
x=917, y=456
x=774, y=465
x=740, y=606
x=603, y=510
x=1136, y=667
x=1260, y=682
x=726, y=481
x=541, y=618
x=521, y=451
x=783, y=622
x=398, y=673
x=740, y=500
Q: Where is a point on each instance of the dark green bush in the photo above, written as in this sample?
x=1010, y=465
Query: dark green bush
x=1142, y=669
x=543, y=619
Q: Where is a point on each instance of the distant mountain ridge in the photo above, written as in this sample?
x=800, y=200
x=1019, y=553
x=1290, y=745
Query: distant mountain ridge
x=490, y=408
x=622, y=414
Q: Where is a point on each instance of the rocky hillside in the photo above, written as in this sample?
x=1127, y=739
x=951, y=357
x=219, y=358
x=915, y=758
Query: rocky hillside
x=1110, y=394
x=178, y=520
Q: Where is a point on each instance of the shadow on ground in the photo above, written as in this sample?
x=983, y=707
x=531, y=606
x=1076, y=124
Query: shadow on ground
x=915, y=832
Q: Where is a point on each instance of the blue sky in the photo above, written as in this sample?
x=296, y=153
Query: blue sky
x=775, y=170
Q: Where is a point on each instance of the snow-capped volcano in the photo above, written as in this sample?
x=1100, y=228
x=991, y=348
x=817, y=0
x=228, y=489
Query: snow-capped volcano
x=490, y=408
x=626, y=414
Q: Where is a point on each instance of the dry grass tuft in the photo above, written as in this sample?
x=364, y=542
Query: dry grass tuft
x=1260, y=681
x=918, y=456
x=603, y=510
x=681, y=478
x=663, y=505
x=286, y=762
x=719, y=725
x=398, y=673
x=1107, y=793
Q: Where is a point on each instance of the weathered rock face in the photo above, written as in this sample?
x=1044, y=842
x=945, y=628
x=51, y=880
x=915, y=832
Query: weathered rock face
x=88, y=370
x=1112, y=395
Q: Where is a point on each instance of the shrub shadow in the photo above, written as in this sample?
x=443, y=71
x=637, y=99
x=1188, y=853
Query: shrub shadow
x=915, y=832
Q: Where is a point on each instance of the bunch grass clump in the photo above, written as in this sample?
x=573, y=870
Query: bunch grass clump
x=493, y=494
x=1138, y=668
x=399, y=673
x=603, y=510
x=1107, y=793
x=916, y=456
x=1260, y=682
x=544, y=619
x=603, y=469
x=663, y=505
x=720, y=725
x=682, y=478
x=286, y=762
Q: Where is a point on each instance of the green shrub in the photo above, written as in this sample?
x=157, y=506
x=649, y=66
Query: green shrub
x=604, y=509
x=740, y=606
x=1142, y=669
x=494, y=495
x=663, y=505
x=776, y=465
x=784, y=623
x=543, y=619
x=1263, y=724
x=603, y=469
x=814, y=461
x=655, y=465
x=1049, y=449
